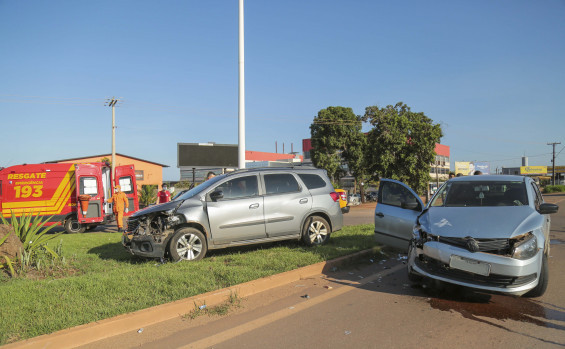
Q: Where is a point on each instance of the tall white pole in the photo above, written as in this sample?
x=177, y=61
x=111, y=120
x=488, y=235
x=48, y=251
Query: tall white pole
x=241, y=148
x=113, y=141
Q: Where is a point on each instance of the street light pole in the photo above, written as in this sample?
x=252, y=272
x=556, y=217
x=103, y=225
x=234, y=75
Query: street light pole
x=241, y=121
x=112, y=103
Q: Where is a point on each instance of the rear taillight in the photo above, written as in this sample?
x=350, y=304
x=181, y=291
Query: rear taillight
x=335, y=196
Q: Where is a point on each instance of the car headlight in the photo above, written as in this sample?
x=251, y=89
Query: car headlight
x=526, y=248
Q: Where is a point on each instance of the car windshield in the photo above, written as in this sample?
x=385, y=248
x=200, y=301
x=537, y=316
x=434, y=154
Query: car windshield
x=199, y=188
x=481, y=193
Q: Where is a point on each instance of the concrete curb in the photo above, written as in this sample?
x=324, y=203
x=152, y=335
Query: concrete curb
x=95, y=331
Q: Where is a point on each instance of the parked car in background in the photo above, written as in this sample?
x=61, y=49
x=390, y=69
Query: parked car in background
x=371, y=196
x=486, y=232
x=343, y=200
x=240, y=208
x=354, y=199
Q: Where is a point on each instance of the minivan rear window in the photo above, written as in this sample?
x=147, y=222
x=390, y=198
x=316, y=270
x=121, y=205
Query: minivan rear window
x=280, y=183
x=312, y=181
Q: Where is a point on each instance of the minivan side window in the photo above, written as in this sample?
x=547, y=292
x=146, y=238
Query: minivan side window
x=240, y=187
x=312, y=181
x=280, y=183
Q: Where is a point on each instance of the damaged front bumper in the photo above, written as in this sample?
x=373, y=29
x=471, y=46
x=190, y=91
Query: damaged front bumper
x=148, y=236
x=479, y=270
x=145, y=245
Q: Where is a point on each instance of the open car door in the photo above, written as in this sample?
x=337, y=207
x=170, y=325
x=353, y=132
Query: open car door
x=397, y=208
x=125, y=178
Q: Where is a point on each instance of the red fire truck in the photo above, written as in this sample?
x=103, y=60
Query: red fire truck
x=57, y=189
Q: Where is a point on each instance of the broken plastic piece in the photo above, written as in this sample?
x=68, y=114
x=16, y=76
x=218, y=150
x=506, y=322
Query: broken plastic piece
x=372, y=261
x=203, y=306
x=347, y=332
x=306, y=296
x=140, y=330
x=328, y=287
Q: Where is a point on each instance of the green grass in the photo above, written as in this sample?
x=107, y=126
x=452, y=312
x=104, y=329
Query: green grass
x=107, y=281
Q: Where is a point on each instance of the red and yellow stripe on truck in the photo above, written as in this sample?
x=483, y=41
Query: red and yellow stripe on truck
x=39, y=190
x=53, y=190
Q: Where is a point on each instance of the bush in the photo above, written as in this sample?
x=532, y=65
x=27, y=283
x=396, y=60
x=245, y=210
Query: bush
x=31, y=231
x=554, y=189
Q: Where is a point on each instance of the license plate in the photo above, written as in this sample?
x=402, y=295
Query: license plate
x=470, y=265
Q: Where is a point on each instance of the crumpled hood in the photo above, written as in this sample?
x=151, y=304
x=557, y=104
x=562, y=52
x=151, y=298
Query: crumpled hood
x=157, y=208
x=481, y=222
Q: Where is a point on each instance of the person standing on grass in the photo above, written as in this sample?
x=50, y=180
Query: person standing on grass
x=120, y=204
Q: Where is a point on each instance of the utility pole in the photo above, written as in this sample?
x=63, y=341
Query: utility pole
x=553, y=162
x=111, y=102
x=241, y=121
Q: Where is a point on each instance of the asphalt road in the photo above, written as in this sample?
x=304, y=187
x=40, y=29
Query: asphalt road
x=372, y=305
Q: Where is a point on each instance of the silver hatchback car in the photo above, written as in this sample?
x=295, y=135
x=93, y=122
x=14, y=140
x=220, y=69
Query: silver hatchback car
x=486, y=232
x=240, y=208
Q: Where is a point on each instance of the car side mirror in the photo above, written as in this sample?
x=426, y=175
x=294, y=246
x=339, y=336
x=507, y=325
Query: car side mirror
x=547, y=208
x=216, y=195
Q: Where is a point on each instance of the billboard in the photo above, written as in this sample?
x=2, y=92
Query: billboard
x=484, y=167
x=463, y=167
x=533, y=169
x=467, y=168
x=207, y=155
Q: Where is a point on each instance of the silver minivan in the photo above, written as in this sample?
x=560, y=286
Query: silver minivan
x=239, y=208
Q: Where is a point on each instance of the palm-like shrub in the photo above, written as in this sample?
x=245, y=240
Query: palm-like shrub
x=147, y=194
x=5, y=261
x=32, y=232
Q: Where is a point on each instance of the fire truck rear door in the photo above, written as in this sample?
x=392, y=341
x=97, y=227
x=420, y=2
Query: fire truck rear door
x=125, y=177
x=89, y=182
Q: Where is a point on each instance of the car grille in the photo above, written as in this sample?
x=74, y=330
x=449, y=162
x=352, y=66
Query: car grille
x=437, y=268
x=495, y=246
x=132, y=224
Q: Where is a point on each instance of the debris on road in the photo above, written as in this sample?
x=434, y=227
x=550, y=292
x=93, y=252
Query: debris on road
x=328, y=287
x=306, y=296
x=202, y=307
x=140, y=330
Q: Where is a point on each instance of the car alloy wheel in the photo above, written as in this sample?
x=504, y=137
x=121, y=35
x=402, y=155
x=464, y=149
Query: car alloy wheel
x=317, y=231
x=188, y=244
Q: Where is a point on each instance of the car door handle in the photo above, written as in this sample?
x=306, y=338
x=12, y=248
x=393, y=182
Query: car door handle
x=379, y=214
x=253, y=206
x=303, y=201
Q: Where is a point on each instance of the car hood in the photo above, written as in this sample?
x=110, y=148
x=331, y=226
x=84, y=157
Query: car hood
x=480, y=222
x=157, y=208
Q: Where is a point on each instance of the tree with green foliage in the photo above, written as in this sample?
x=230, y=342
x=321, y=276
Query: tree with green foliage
x=401, y=144
x=337, y=138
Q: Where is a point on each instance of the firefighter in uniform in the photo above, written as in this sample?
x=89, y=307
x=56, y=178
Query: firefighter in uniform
x=120, y=204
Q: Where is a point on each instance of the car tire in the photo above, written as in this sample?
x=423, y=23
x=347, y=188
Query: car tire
x=541, y=287
x=316, y=231
x=187, y=244
x=72, y=226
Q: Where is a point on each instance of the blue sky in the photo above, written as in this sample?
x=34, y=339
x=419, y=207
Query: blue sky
x=491, y=72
